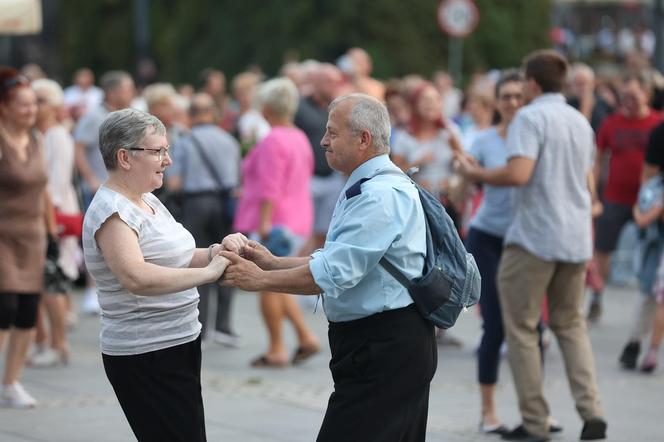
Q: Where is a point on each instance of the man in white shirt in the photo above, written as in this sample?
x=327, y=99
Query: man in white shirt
x=550, y=159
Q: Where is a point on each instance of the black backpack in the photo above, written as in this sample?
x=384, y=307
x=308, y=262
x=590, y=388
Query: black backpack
x=450, y=280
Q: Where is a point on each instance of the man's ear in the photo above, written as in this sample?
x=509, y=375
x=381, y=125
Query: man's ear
x=366, y=139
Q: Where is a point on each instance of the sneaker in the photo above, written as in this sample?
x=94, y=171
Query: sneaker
x=630, y=354
x=226, y=339
x=595, y=310
x=49, y=357
x=46, y=357
x=15, y=396
x=90, y=304
x=594, y=429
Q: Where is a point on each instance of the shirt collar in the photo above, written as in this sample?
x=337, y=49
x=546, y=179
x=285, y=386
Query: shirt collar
x=368, y=168
x=550, y=97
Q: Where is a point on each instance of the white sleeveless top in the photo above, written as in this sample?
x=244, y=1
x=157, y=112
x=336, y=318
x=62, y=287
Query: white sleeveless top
x=130, y=323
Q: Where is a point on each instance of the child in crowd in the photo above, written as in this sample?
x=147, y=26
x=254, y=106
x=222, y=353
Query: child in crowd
x=648, y=217
x=650, y=361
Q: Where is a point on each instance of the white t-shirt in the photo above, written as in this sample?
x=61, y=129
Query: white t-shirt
x=130, y=323
x=434, y=174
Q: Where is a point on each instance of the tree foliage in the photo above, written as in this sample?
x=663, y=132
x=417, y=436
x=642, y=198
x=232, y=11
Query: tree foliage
x=187, y=36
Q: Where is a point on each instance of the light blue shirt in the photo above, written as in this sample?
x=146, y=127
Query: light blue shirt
x=495, y=213
x=386, y=219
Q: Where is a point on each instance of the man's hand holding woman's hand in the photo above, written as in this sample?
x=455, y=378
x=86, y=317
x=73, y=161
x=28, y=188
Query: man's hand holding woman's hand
x=235, y=242
x=242, y=273
x=259, y=255
x=241, y=261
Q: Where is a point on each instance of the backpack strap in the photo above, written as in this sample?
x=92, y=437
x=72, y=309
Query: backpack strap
x=355, y=190
x=214, y=174
x=396, y=274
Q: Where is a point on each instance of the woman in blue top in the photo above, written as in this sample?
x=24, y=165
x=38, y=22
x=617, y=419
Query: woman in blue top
x=485, y=242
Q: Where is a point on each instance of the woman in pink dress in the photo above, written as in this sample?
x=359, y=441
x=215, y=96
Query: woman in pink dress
x=276, y=208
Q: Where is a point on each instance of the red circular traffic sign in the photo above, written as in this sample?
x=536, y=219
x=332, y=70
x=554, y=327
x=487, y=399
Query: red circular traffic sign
x=458, y=18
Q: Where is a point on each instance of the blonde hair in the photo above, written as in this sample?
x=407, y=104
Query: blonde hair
x=158, y=93
x=50, y=89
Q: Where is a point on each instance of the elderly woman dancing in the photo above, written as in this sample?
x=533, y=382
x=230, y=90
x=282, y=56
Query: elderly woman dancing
x=147, y=269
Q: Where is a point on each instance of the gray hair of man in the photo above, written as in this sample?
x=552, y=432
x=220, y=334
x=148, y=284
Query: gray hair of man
x=280, y=96
x=370, y=114
x=112, y=79
x=124, y=129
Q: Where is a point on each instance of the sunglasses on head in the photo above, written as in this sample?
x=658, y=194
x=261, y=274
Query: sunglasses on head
x=15, y=81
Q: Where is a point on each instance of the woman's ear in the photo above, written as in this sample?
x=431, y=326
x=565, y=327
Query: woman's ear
x=122, y=158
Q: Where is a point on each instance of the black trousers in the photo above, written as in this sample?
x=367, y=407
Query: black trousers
x=203, y=215
x=382, y=368
x=160, y=392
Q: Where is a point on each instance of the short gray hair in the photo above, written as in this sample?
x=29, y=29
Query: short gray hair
x=367, y=113
x=124, y=129
x=112, y=79
x=280, y=95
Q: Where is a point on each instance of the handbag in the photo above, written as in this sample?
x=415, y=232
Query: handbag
x=69, y=224
x=279, y=242
x=225, y=195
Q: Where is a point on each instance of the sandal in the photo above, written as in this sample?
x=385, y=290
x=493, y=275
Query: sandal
x=263, y=362
x=303, y=353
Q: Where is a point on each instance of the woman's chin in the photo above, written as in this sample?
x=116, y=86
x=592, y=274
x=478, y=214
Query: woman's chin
x=157, y=183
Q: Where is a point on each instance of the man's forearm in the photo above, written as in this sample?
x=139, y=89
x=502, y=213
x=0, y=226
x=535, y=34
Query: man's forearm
x=298, y=280
x=289, y=262
x=496, y=177
x=516, y=172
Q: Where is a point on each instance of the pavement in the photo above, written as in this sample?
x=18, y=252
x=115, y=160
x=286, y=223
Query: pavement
x=76, y=402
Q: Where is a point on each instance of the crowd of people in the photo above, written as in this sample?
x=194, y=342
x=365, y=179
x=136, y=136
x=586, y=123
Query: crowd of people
x=541, y=170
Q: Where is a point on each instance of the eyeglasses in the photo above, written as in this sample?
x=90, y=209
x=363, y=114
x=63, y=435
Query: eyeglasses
x=508, y=97
x=161, y=152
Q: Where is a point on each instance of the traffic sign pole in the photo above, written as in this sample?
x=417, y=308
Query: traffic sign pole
x=457, y=19
x=455, y=58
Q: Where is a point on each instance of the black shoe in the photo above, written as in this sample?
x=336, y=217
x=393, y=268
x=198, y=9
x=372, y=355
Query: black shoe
x=520, y=433
x=555, y=428
x=594, y=429
x=630, y=354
